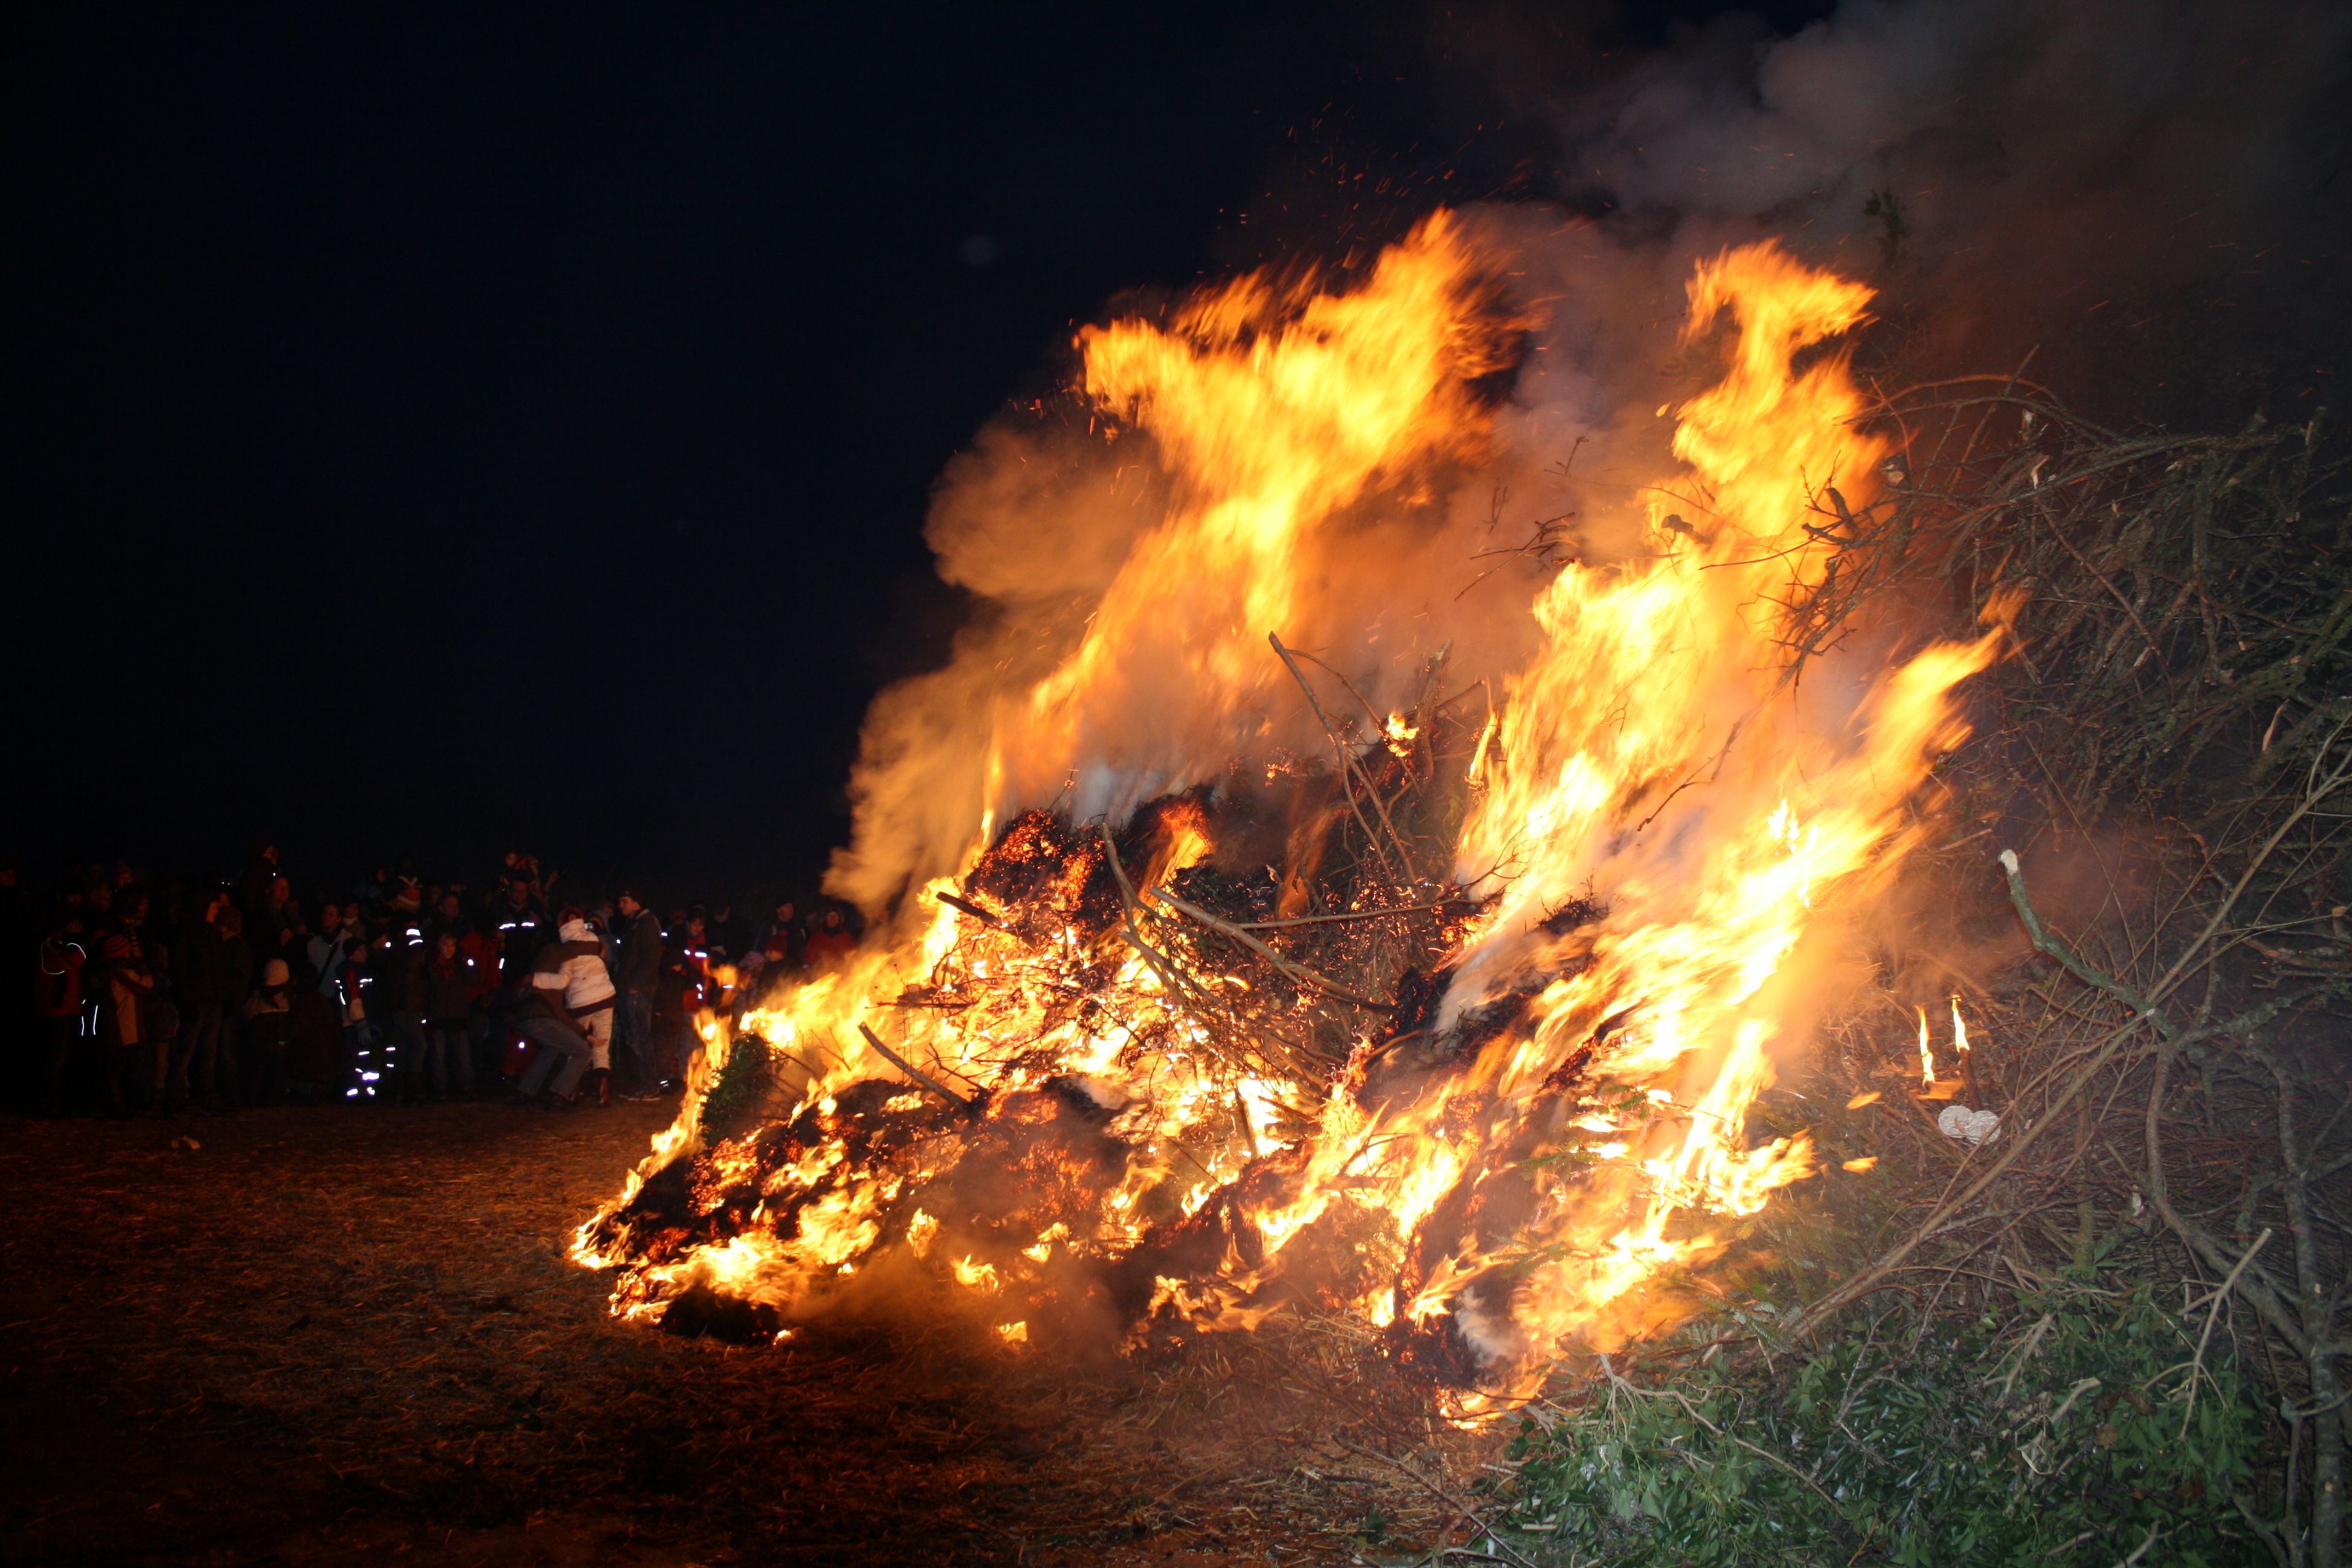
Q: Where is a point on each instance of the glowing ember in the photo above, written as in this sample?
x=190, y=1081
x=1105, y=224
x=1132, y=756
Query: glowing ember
x=1447, y=1013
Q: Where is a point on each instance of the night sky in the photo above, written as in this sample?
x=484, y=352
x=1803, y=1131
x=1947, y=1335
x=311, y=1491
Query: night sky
x=426, y=433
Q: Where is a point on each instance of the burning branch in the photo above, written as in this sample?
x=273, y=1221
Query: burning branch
x=917, y=1074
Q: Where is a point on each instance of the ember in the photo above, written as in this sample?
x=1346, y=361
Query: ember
x=1252, y=993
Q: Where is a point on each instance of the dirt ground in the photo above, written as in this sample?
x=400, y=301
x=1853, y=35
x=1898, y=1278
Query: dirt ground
x=345, y=1334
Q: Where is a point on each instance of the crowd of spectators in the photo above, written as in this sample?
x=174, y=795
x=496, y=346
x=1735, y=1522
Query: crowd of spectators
x=161, y=996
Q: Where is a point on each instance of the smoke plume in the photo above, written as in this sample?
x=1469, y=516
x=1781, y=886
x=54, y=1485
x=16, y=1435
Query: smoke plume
x=2146, y=201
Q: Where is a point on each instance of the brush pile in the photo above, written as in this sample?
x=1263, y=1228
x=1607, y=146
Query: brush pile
x=1275, y=941
x=2113, y=1328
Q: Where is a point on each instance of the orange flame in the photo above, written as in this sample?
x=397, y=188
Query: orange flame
x=1649, y=750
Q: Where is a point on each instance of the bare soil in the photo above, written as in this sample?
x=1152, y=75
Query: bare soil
x=339, y=1334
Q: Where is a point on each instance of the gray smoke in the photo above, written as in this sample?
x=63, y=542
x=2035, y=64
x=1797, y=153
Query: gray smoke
x=2145, y=190
x=2148, y=196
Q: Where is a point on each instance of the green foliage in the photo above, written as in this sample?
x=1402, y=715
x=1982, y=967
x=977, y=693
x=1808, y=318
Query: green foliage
x=742, y=1086
x=2050, y=1434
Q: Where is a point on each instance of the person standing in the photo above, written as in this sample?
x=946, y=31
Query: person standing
x=637, y=974
x=23, y=1042
x=518, y=917
x=323, y=950
x=398, y=971
x=481, y=952
x=196, y=985
x=124, y=1034
x=233, y=979
x=730, y=934
x=268, y=1020
x=253, y=884
x=449, y=1007
x=448, y=918
x=351, y=980
x=274, y=928
x=686, y=989
x=58, y=1004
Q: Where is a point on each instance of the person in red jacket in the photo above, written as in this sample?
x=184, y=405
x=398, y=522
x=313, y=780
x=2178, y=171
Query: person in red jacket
x=832, y=942
x=480, y=952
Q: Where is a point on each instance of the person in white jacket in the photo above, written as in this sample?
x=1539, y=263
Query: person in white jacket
x=589, y=995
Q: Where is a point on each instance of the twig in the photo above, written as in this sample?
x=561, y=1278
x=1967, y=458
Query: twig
x=1349, y=770
x=912, y=1071
x=2196, y=1363
x=1693, y=1412
x=1468, y=1515
x=1295, y=971
x=1351, y=915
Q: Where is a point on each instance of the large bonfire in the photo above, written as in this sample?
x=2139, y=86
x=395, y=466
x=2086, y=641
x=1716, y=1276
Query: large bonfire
x=1290, y=967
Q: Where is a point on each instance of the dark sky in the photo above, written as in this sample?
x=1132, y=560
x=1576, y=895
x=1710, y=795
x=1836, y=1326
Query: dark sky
x=427, y=432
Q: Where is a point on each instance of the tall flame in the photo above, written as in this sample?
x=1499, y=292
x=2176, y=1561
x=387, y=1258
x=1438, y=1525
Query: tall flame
x=1274, y=410
x=1651, y=763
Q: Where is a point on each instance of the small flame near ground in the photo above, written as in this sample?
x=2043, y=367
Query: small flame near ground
x=1573, y=1129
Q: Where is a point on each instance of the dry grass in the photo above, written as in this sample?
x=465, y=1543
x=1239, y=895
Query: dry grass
x=335, y=1335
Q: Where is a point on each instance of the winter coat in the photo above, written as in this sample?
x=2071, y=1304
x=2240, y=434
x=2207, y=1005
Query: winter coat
x=56, y=978
x=194, y=952
x=129, y=980
x=480, y=952
x=637, y=962
x=316, y=1050
x=448, y=992
x=830, y=946
x=783, y=942
x=522, y=930
x=233, y=969
x=397, y=974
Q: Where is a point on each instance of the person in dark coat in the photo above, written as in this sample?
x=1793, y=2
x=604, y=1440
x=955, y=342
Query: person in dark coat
x=269, y=1027
x=782, y=941
x=318, y=1048
x=354, y=997
x=57, y=1000
x=448, y=1006
x=397, y=971
x=637, y=972
x=253, y=883
x=274, y=928
x=195, y=968
x=233, y=978
x=516, y=918
x=127, y=982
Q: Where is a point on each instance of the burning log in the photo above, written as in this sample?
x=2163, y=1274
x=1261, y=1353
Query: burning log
x=976, y=912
